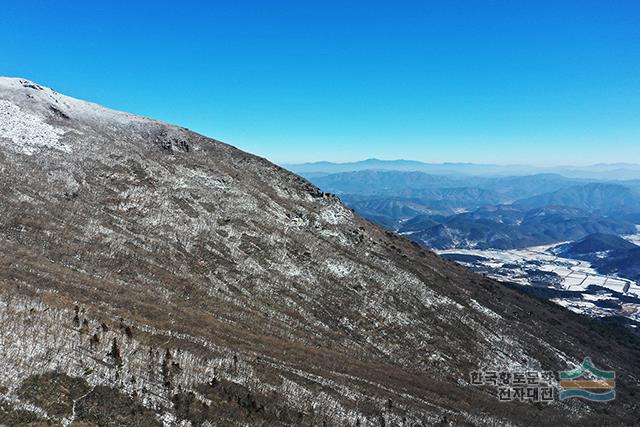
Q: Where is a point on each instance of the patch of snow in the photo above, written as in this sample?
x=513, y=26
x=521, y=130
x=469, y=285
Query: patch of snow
x=579, y=306
x=590, y=297
x=602, y=254
x=484, y=310
x=335, y=214
x=43, y=98
x=338, y=269
x=27, y=133
x=634, y=238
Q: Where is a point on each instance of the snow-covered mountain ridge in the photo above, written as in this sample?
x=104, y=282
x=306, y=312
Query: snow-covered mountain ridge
x=145, y=266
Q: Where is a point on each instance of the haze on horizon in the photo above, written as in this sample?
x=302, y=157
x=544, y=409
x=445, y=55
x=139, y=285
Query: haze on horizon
x=484, y=82
x=621, y=164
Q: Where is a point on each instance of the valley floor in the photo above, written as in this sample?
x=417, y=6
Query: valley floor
x=571, y=283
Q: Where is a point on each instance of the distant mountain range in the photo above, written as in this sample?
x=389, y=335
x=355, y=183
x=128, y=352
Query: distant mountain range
x=507, y=227
x=504, y=212
x=594, y=197
x=604, y=171
x=410, y=184
x=499, y=217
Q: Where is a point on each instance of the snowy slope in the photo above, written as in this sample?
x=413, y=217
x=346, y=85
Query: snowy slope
x=175, y=274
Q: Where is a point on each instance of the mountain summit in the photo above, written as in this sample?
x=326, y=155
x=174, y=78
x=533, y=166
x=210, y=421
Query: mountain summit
x=152, y=276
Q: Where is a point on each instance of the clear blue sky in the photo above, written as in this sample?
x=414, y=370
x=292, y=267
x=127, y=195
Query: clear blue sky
x=485, y=81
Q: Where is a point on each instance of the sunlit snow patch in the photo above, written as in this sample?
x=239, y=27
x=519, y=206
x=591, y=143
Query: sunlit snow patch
x=27, y=133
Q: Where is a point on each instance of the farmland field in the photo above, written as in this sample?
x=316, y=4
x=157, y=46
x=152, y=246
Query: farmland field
x=571, y=283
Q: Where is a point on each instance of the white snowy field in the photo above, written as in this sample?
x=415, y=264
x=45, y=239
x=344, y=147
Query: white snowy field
x=634, y=238
x=576, y=276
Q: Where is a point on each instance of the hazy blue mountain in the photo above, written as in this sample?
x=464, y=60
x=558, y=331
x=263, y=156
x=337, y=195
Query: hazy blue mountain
x=456, y=198
x=379, y=182
x=518, y=187
x=618, y=171
x=601, y=198
x=398, y=165
x=387, y=211
x=387, y=182
x=444, y=211
x=390, y=211
x=387, y=197
x=508, y=227
x=633, y=184
x=633, y=217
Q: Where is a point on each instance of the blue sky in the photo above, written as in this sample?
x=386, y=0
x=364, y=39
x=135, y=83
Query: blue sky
x=532, y=82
